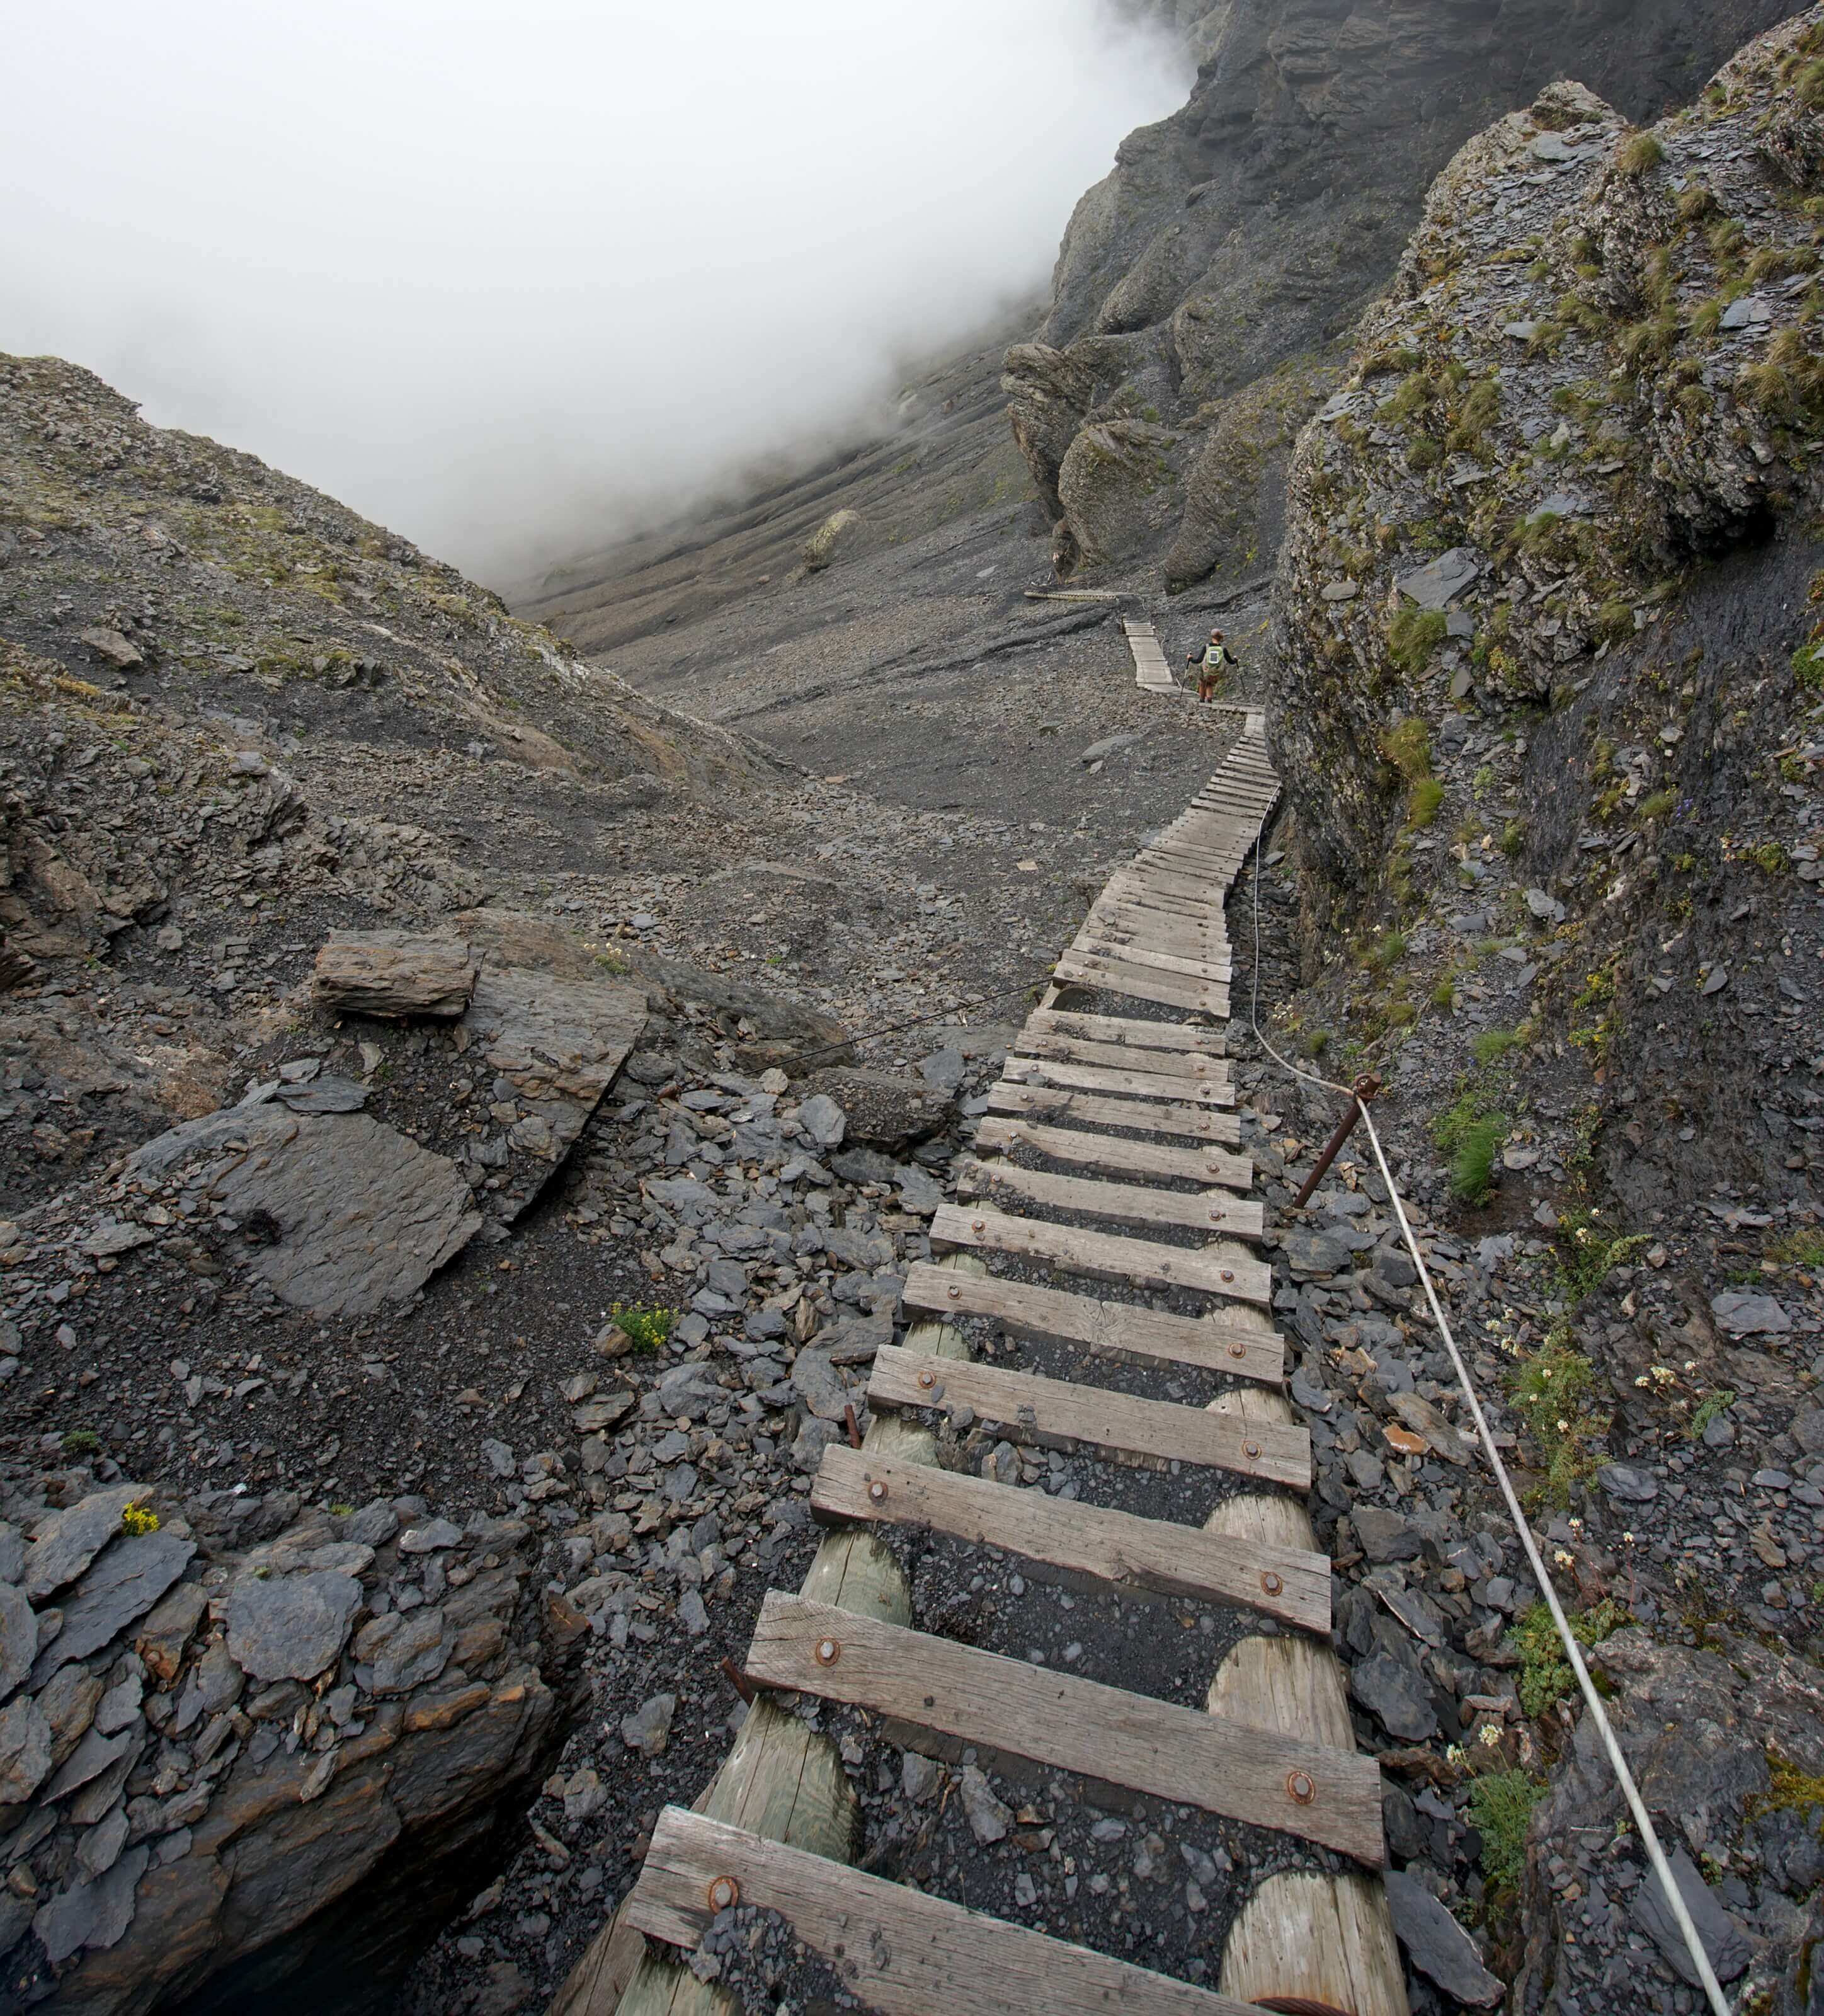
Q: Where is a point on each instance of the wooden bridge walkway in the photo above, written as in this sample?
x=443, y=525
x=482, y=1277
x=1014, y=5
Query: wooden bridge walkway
x=1109, y=1155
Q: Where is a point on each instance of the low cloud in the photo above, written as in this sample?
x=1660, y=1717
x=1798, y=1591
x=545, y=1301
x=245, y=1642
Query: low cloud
x=513, y=280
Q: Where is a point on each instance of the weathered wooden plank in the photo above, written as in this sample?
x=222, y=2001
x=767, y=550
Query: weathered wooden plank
x=1054, y=1411
x=1164, y=933
x=1203, y=903
x=1187, y=1064
x=1212, y=1212
x=1200, y=1123
x=901, y=1952
x=1129, y=1029
x=1138, y=1084
x=1116, y=1548
x=1226, y=1270
x=1171, y=881
x=1099, y=1731
x=1108, y=1151
x=1169, y=990
x=1115, y=1329
x=1120, y=949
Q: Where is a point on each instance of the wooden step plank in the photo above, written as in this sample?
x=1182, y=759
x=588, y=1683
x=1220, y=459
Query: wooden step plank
x=1145, y=1262
x=1053, y=1103
x=1052, y=1412
x=1110, y=1078
x=900, y=1951
x=1088, y=944
x=1116, y=1329
x=1100, y=1732
x=1170, y=990
x=1127, y=888
x=1212, y=1212
x=1129, y=1029
x=1167, y=929
x=1209, y=922
x=1108, y=1151
x=1115, y=932
x=1117, y=1549
x=1160, y=1063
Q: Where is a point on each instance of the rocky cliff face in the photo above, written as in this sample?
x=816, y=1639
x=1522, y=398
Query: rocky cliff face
x=1202, y=286
x=1546, y=605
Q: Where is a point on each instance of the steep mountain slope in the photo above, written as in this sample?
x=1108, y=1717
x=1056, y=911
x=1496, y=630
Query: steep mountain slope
x=1202, y=287
x=1548, y=703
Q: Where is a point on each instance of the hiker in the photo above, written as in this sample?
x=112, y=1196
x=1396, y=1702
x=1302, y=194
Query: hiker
x=1215, y=659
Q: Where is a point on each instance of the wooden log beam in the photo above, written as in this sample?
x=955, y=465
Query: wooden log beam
x=1328, y=1939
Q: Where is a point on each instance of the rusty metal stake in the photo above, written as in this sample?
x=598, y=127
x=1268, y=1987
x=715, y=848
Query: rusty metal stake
x=740, y=1681
x=853, y=1426
x=1366, y=1089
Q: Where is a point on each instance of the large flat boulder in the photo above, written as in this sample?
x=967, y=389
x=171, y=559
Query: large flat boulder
x=555, y=1046
x=355, y=1215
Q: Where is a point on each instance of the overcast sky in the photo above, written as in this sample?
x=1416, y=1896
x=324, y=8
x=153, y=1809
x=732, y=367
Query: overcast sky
x=504, y=277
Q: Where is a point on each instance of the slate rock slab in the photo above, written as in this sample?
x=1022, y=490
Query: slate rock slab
x=91, y=1914
x=1385, y=1536
x=25, y=1750
x=1623, y=1480
x=364, y=1215
x=1399, y=1696
x=19, y=1637
x=648, y=1730
x=393, y=974
x=1743, y=1315
x=823, y=1120
x=124, y=1583
x=1440, y=580
x=1437, y=1945
x=558, y=1044
x=1728, y=1952
x=290, y=1627
x=69, y=1540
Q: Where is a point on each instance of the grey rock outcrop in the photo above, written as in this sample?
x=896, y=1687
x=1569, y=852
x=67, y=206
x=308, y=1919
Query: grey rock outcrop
x=1201, y=284
x=362, y=1215
x=184, y=1814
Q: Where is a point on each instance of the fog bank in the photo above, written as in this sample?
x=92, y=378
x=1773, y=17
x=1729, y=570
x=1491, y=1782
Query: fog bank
x=509, y=280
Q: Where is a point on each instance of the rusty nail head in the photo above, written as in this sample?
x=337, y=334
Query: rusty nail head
x=1238, y=1349
x=955, y=1294
x=829, y=1651
x=877, y=1491
x=1228, y=1274
x=1302, y=1787
x=976, y=1225
x=927, y=1379
x=1271, y=1583
x=1250, y=1449
x=1215, y=1214
x=725, y=1894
